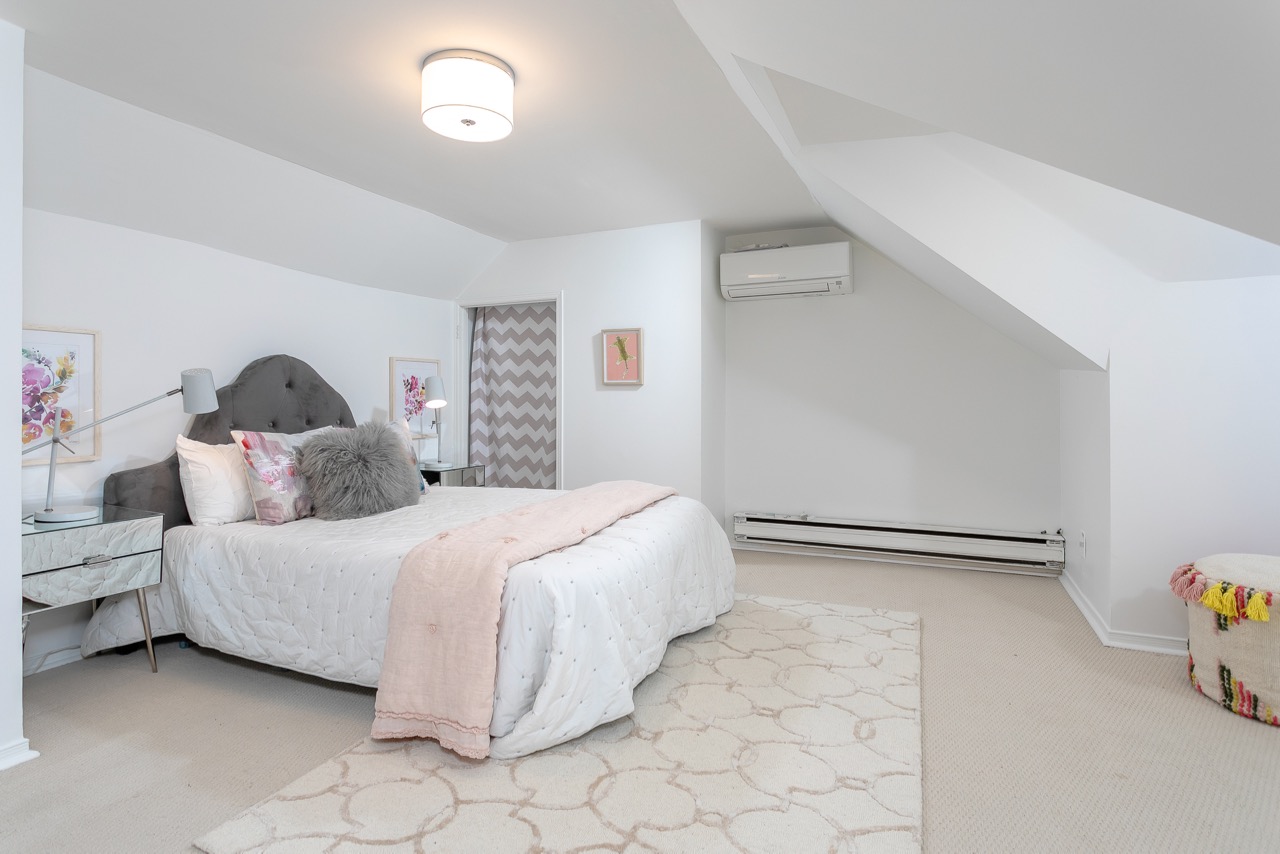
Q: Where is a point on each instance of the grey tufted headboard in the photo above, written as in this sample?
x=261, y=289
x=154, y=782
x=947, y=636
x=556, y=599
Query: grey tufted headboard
x=278, y=394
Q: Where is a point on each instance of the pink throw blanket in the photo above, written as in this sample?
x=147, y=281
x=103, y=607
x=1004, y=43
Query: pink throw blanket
x=441, y=660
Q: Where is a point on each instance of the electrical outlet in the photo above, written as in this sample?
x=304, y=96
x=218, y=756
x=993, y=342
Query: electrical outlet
x=1084, y=544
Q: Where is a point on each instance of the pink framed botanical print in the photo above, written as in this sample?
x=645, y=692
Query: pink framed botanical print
x=408, y=390
x=622, y=356
x=60, y=380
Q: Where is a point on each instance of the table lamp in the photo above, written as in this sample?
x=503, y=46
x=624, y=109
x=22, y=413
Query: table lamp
x=434, y=391
x=198, y=396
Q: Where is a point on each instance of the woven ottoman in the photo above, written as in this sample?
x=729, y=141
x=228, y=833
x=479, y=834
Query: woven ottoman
x=1233, y=651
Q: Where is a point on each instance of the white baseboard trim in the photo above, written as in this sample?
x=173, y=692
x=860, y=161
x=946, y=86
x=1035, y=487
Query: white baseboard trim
x=1118, y=639
x=52, y=660
x=16, y=753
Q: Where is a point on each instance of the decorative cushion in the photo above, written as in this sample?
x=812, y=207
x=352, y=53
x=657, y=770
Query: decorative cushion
x=213, y=482
x=279, y=491
x=360, y=472
x=402, y=430
x=1233, y=651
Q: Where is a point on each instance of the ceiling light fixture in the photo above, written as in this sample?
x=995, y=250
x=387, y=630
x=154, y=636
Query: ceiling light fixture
x=468, y=95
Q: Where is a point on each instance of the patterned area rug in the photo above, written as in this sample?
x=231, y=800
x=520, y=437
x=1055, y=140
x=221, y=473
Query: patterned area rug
x=786, y=726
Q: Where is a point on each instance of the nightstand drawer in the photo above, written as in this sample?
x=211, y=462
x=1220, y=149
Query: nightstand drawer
x=70, y=547
x=93, y=580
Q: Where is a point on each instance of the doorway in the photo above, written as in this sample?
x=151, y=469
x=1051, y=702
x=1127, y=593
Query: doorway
x=514, y=413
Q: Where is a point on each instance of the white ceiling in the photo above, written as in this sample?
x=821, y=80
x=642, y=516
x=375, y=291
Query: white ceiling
x=1172, y=101
x=1043, y=164
x=622, y=117
x=1130, y=142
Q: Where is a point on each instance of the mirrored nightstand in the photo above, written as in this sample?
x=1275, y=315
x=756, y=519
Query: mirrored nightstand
x=453, y=475
x=66, y=563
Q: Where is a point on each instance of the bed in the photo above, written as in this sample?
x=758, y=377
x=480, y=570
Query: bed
x=580, y=628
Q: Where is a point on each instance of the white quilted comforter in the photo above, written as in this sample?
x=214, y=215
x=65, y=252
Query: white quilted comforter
x=580, y=629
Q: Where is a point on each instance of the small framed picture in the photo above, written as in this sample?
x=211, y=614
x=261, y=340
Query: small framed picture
x=622, y=356
x=60, y=381
x=409, y=394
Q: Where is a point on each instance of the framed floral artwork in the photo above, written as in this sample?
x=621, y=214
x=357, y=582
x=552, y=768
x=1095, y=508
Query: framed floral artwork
x=408, y=393
x=622, y=356
x=60, y=380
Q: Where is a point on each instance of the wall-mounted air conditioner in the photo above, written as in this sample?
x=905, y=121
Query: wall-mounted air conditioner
x=791, y=271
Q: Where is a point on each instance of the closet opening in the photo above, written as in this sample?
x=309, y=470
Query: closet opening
x=511, y=358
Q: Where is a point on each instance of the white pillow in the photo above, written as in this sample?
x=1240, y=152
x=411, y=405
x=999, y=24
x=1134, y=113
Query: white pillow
x=406, y=436
x=213, y=482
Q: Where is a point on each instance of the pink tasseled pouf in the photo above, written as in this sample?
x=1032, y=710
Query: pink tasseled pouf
x=1233, y=653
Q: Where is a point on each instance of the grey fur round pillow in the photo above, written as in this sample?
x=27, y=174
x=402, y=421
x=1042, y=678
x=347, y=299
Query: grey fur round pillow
x=358, y=472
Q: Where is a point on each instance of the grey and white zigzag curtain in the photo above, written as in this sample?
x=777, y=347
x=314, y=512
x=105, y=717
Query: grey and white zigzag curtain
x=513, y=395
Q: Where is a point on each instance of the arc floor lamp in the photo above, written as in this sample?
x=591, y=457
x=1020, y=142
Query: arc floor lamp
x=198, y=396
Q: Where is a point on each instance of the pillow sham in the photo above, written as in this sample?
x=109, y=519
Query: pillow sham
x=214, y=486
x=401, y=428
x=356, y=473
x=279, y=491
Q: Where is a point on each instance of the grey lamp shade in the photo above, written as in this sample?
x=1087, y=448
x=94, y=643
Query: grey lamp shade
x=434, y=388
x=198, y=392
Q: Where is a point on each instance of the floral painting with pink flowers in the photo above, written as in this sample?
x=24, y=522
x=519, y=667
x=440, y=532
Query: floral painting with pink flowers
x=59, y=385
x=408, y=393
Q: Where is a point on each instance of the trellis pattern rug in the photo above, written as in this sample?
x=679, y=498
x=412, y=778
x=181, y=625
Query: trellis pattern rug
x=786, y=726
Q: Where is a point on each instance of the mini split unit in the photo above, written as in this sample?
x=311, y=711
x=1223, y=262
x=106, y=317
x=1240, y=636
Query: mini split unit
x=821, y=269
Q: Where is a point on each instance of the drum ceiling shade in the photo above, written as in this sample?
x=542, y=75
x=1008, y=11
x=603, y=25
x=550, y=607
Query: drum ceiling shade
x=468, y=95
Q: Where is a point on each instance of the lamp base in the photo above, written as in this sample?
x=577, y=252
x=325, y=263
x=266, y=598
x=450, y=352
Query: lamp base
x=74, y=513
x=436, y=465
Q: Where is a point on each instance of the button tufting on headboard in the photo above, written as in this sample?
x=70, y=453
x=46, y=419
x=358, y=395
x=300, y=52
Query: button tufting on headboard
x=257, y=401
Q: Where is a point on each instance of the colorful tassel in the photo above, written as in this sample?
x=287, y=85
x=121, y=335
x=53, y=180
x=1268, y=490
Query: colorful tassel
x=1257, y=609
x=1227, y=603
x=1183, y=584
x=1212, y=598
x=1197, y=589
x=1180, y=572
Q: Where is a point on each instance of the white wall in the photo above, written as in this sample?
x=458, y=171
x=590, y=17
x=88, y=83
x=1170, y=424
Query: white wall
x=889, y=404
x=161, y=305
x=97, y=158
x=714, y=374
x=1086, y=492
x=1194, y=450
x=649, y=277
x=13, y=747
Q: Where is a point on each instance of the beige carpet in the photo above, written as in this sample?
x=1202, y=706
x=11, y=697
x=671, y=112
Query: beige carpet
x=134, y=762
x=1036, y=737
x=787, y=726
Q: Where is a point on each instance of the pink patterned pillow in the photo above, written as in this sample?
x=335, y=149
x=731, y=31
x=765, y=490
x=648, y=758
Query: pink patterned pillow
x=279, y=490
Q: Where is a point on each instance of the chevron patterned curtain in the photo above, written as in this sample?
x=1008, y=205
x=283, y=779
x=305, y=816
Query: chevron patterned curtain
x=513, y=395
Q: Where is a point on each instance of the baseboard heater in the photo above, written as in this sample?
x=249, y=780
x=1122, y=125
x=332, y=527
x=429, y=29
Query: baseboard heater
x=933, y=545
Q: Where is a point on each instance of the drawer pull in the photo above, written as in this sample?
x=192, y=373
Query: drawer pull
x=97, y=560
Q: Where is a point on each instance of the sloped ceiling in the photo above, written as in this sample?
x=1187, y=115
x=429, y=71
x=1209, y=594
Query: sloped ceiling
x=1041, y=163
x=1004, y=152
x=622, y=118
x=1171, y=102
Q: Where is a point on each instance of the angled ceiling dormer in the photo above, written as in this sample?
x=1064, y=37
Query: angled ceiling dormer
x=818, y=116
x=980, y=170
